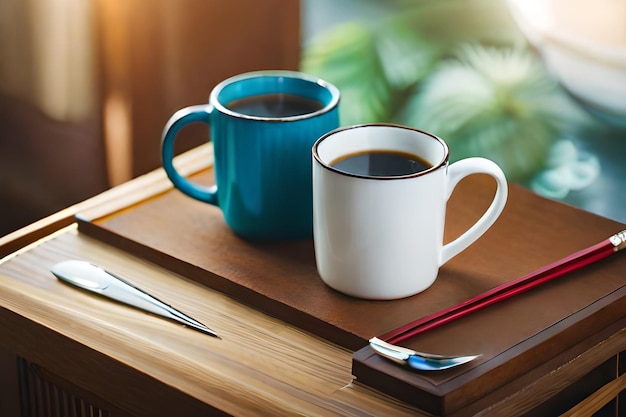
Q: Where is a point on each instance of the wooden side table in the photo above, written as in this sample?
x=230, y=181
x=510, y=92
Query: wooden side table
x=67, y=353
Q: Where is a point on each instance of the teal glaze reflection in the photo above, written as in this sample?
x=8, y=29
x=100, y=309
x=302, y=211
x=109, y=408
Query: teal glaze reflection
x=262, y=164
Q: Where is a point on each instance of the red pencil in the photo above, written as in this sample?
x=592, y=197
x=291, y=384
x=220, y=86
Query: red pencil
x=507, y=290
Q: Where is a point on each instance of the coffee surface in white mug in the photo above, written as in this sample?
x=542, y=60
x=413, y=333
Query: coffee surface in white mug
x=381, y=163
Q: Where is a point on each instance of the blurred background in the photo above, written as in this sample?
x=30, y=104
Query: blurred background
x=537, y=85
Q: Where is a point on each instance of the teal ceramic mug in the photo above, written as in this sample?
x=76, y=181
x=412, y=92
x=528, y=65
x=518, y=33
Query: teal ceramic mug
x=263, y=125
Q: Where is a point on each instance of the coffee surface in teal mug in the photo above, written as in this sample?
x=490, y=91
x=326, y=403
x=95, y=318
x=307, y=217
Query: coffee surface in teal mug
x=263, y=125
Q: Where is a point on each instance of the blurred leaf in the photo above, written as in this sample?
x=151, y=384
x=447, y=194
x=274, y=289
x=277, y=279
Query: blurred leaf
x=568, y=169
x=405, y=57
x=493, y=102
x=490, y=97
x=347, y=57
x=448, y=22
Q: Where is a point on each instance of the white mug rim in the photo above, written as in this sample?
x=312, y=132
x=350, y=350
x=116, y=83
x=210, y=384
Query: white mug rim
x=442, y=163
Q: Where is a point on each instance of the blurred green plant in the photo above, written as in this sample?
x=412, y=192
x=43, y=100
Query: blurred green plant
x=457, y=68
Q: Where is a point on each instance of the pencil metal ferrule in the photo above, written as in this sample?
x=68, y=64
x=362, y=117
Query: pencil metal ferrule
x=618, y=240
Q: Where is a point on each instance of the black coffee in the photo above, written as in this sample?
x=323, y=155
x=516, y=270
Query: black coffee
x=381, y=163
x=275, y=105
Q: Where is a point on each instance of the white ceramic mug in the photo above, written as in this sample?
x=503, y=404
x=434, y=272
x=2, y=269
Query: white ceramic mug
x=381, y=237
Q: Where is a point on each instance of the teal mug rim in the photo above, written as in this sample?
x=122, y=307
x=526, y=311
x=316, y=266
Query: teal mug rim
x=332, y=103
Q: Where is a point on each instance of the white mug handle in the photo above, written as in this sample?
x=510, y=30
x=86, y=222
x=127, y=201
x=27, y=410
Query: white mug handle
x=456, y=172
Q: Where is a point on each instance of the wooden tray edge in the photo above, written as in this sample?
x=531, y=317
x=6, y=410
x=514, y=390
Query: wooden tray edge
x=372, y=370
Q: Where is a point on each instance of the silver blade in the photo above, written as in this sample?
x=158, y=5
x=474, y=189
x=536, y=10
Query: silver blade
x=95, y=279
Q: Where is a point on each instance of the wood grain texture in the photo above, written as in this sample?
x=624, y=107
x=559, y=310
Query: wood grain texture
x=281, y=278
x=262, y=366
x=527, y=395
x=113, y=199
x=599, y=399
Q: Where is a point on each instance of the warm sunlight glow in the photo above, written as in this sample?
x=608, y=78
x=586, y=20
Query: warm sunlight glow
x=597, y=21
x=535, y=12
x=600, y=21
x=117, y=137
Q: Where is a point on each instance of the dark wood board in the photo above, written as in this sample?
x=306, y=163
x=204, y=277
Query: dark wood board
x=280, y=278
x=460, y=391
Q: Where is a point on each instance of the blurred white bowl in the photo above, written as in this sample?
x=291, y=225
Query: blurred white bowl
x=583, y=43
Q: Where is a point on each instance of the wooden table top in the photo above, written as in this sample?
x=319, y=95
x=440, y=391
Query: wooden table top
x=148, y=366
x=261, y=365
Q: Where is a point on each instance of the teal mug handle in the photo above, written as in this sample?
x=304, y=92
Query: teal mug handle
x=183, y=117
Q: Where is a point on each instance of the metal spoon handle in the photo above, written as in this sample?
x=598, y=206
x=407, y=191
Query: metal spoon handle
x=418, y=360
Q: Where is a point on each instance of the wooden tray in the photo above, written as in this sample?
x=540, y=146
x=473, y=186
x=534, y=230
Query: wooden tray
x=280, y=278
